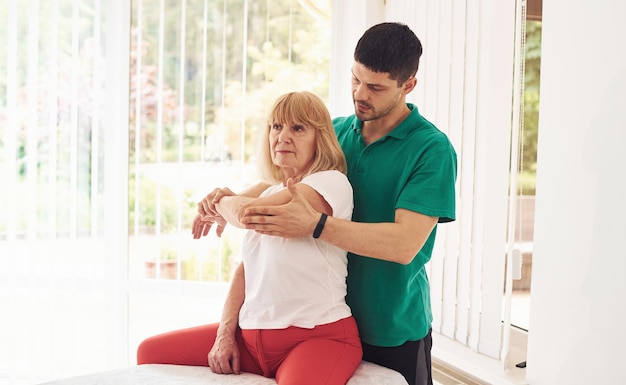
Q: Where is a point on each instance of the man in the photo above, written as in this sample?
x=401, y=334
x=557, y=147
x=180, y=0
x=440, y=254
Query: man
x=403, y=171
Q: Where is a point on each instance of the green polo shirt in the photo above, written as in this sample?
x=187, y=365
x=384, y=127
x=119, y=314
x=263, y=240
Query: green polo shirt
x=414, y=168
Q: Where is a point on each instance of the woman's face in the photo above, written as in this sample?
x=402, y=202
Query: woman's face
x=292, y=147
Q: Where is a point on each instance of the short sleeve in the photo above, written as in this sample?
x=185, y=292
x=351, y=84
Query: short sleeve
x=335, y=188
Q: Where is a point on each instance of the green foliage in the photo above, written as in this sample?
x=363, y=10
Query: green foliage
x=210, y=260
x=264, y=48
x=211, y=93
x=217, y=265
x=144, y=207
x=531, y=123
x=529, y=135
x=526, y=182
x=533, y=56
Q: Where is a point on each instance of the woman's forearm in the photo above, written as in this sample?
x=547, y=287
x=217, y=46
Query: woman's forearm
x=255, y=190
x=233, y=303
x=230, y=208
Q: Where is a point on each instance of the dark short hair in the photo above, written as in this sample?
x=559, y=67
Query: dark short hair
x=392, y=48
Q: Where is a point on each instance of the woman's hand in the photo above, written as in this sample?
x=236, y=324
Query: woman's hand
x=224, y=356
x=201, y=226
x=206, y=207
x=208, y=215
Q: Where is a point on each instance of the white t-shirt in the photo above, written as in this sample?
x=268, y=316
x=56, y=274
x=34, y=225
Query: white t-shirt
x=297, y=281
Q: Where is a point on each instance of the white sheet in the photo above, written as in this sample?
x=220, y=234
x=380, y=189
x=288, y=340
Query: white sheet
x=366, y=374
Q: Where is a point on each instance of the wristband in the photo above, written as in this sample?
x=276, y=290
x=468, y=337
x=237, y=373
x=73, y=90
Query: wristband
x=320, y=226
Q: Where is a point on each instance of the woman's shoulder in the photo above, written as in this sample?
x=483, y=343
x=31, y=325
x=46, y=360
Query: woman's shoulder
x=327, y=175
x=335, y=188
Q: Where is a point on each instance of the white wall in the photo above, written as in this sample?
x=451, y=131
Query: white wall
x=578, y=310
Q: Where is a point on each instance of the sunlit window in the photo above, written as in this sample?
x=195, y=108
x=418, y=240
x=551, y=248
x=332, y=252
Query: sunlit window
x=203, y=74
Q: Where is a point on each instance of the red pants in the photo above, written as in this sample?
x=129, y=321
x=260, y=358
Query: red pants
x=327, y=354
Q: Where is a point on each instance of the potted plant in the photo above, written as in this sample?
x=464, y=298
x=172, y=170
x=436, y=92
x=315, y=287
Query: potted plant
x=166, y=265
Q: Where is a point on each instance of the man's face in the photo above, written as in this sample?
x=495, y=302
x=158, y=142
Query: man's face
x=374, y=94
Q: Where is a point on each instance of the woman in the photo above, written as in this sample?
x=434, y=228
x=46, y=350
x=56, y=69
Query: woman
x=286, y=315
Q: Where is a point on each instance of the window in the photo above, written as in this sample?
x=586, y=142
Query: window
x=203, y=74
x=115, y=117
x=527, y=167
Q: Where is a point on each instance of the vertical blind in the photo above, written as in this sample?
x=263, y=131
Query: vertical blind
x=466, y=86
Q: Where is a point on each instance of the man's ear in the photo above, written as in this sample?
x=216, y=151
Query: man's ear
x=409, y=85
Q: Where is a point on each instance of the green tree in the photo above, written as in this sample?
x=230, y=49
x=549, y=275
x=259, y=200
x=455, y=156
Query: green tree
x=246, y=62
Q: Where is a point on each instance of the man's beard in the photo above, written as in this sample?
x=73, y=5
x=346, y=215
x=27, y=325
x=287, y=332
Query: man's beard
x=371, y=113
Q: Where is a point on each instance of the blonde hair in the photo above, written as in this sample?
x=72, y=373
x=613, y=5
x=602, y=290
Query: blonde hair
x=307, y=109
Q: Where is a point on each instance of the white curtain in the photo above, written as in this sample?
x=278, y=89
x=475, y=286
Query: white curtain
x=63, y=249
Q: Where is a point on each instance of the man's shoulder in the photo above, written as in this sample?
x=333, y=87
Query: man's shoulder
x=422, y=128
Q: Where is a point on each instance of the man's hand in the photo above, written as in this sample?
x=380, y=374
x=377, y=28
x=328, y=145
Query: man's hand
x=224, y=356
x=295, y=219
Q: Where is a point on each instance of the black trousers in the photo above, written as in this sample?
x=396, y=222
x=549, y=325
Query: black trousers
x=411, y=359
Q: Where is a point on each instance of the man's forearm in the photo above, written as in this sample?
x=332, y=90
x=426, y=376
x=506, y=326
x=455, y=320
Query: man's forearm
x=375, y=240
x=390, y=241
